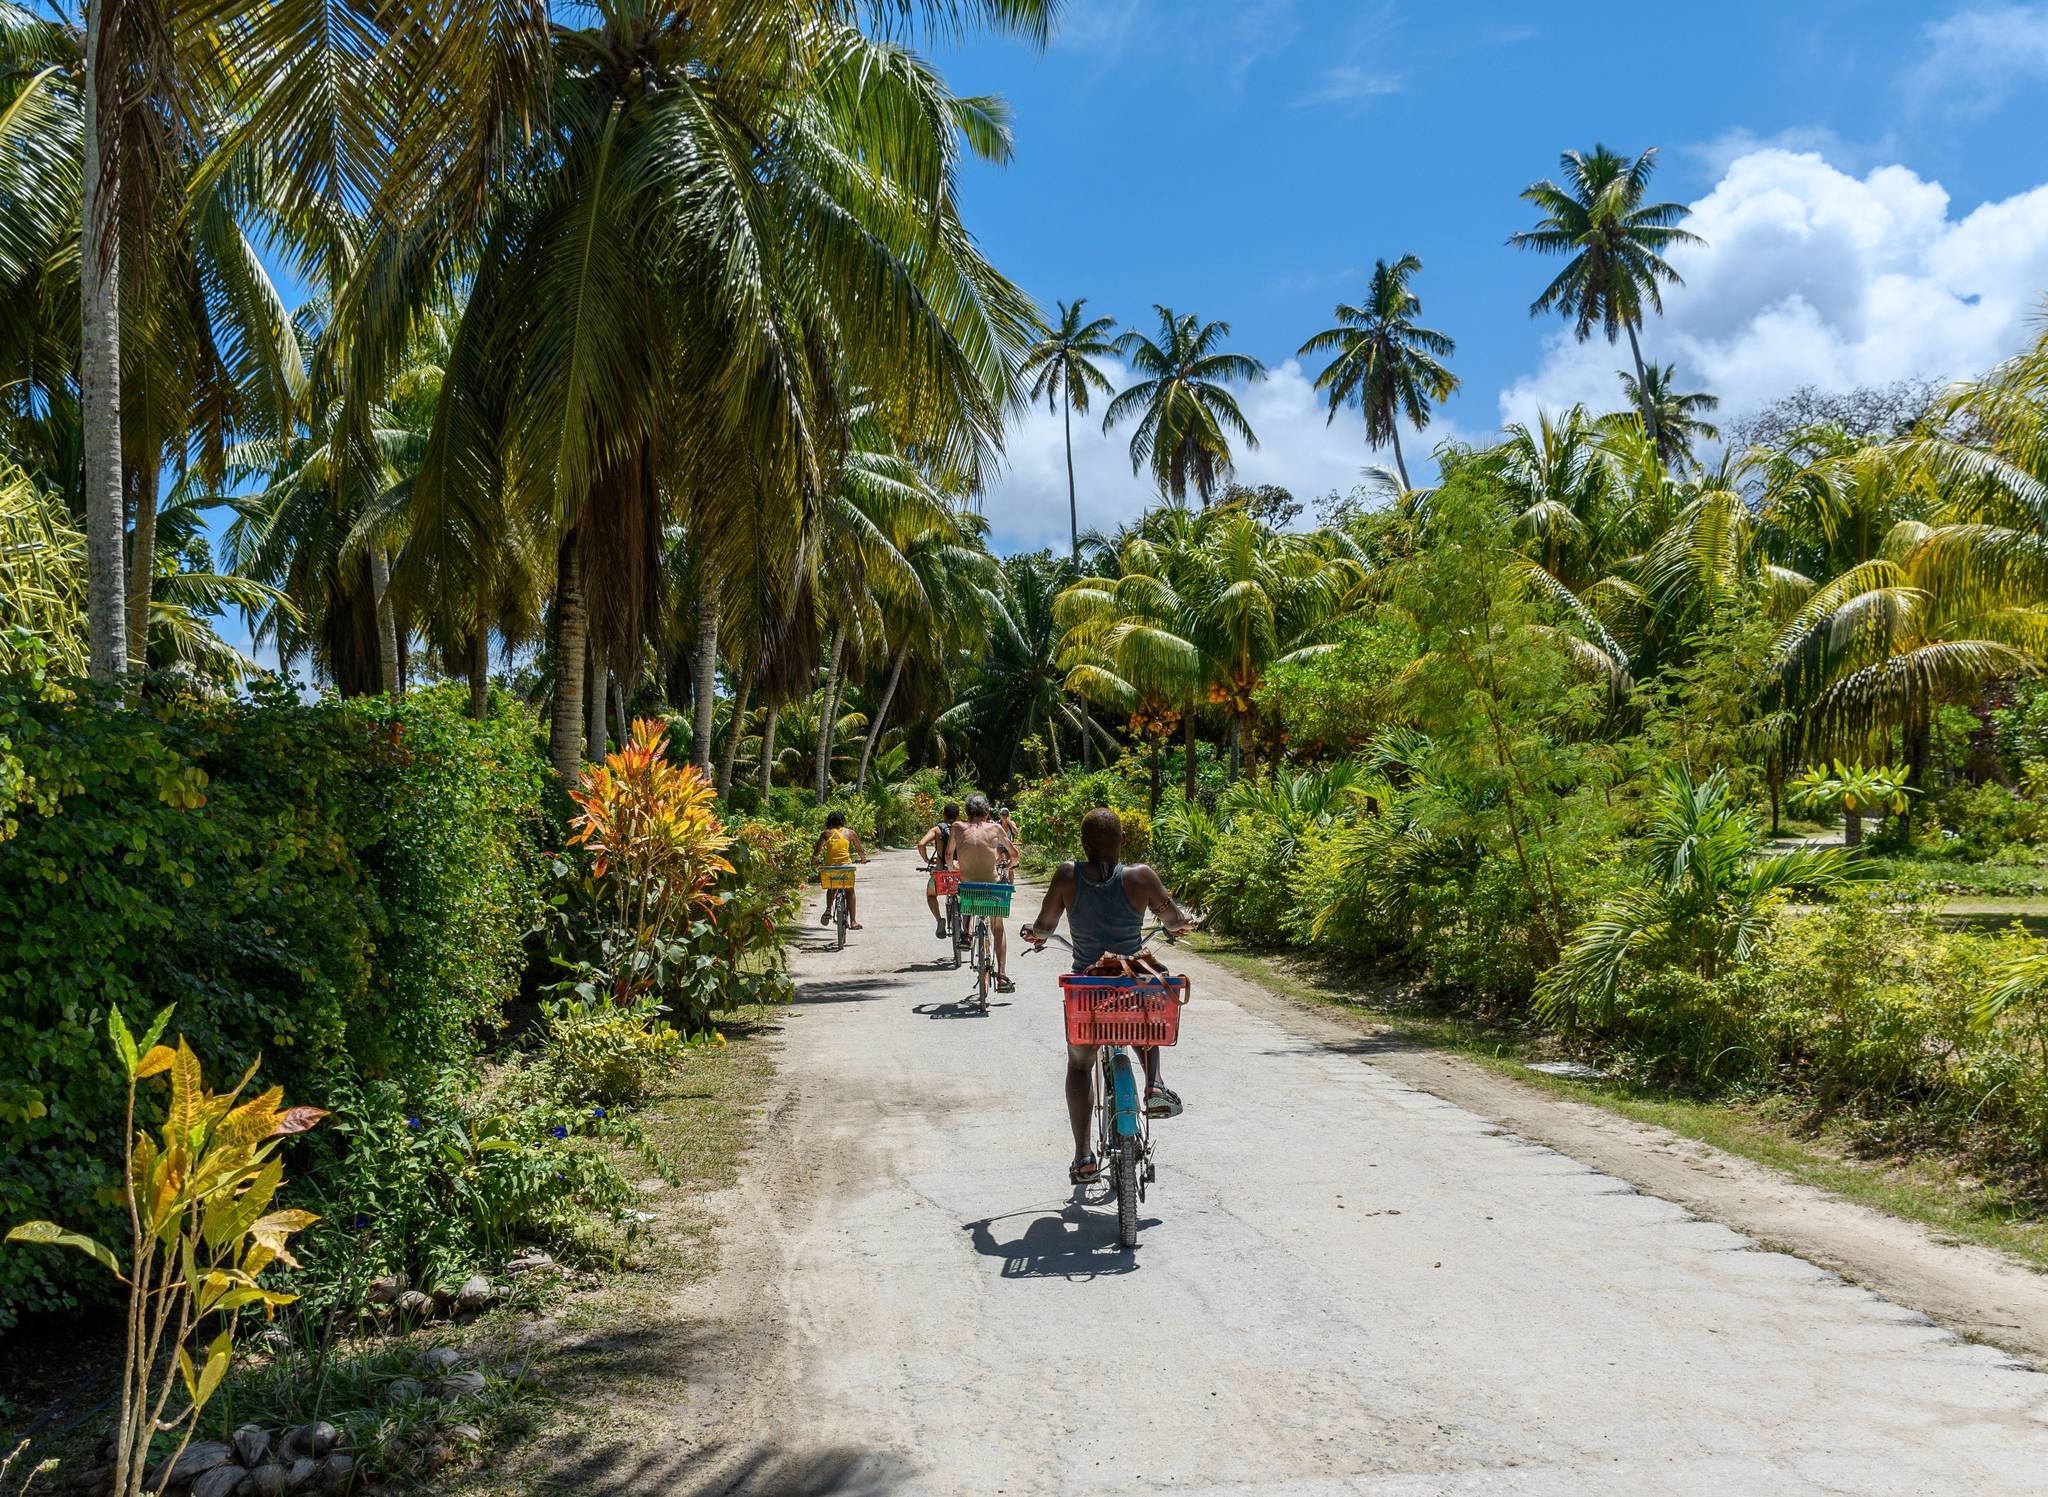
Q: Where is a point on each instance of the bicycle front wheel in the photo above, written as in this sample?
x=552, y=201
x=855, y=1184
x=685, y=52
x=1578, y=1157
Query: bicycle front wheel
x=1127, y=1192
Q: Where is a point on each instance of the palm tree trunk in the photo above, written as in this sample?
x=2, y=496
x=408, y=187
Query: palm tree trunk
x=565, y=720
x=480, y=673
x=142, y=562
x=595, y=685
x=387, y=625
x=768, y=747
x=1188, y=770
x=1852, y=827
x=728, y=755
x=1400, y=463
x=705, y=706
x=1073, y=506
x=1643, y=391
x=99, y=376
x=1919, y=753
x=1236, y=748
x=1052, y=737
x=828, y=716
x=867, y=749
x=1087, y=739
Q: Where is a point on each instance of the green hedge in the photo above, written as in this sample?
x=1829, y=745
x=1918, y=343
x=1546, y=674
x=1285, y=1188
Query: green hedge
x=340, y=887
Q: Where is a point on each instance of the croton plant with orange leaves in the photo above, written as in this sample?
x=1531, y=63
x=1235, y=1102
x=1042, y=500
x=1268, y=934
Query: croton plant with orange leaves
x=655, y=844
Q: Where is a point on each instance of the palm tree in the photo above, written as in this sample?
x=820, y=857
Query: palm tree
x=1386, y=365
x=1616, y=242
x=1189, y=414
x=1060, y=369
x=1020, y=688
x=1676, y=415
x=1703, y=895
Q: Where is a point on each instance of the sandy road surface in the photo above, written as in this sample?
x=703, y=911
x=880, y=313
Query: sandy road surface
x=1345, y=1284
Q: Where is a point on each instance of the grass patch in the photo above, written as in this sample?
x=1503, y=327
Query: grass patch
x=1768, y=1130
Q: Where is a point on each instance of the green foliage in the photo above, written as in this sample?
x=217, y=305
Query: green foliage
x=1049, y=812
x=1332, y=702
x=341, y=887
x=1995, y=824
x=446, y=1182
x=1702, y=898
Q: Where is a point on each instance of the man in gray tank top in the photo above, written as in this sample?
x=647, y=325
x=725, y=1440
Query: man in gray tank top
x=1105, y=901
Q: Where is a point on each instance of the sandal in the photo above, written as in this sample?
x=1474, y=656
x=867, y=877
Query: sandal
x=1085, y=1171
x=853, y=925
x=1004, y=985
x=1161, y=1102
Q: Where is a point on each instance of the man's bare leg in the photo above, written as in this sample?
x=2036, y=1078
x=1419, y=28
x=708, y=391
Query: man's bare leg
x=1080, y=1094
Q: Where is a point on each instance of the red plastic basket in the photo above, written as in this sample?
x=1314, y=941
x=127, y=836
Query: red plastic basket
x=1122, y=1011
x=945, y=881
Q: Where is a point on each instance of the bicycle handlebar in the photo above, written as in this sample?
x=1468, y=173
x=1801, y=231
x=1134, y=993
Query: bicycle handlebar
x=1038, y=944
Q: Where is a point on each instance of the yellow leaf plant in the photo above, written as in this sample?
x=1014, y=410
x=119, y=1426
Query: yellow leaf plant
x=201, y=1234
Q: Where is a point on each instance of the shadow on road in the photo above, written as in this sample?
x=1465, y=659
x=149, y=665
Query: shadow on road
x=1074, y=1243
x=964, y=1008
x=592, y=1466
x=846, y=990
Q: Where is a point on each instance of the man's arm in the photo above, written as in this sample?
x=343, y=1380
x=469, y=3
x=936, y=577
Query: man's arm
x=926, y=843
x=1056, y=895
x=1158, y=900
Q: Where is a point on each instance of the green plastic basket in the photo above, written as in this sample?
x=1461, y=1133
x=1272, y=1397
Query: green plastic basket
x=985, y=899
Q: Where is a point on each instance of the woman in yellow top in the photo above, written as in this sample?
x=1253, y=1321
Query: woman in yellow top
x=838, y=845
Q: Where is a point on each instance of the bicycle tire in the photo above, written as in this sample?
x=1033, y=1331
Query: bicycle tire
x=981, y=964
x=839, y=908
x=953, y=924
x=1127, y=1192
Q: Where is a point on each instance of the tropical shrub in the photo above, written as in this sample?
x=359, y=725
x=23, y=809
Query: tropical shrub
x=1703, y=898
x=342, y=887
x=606, y=1054
x=1049, y=812
x=443, y=1183
x=653, y=846
x=1856, y=790
x=1995, y=823
x=201, y=1234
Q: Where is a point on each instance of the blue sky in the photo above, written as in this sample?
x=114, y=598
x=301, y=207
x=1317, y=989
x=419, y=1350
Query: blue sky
x=1249, y=161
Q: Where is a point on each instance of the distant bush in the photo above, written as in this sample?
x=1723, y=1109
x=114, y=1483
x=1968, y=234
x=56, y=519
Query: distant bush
x=340, y=887
x=1994, y=823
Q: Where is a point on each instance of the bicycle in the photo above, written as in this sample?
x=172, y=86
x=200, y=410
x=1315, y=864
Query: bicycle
x=946, y=884
x=837, y=880
x=1118, y=1015
x=980, y=902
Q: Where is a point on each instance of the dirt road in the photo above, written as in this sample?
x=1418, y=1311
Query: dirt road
x=1345, y=1284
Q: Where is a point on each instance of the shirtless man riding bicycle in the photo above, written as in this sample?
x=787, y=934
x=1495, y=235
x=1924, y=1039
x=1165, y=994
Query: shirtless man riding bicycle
x=980, y=849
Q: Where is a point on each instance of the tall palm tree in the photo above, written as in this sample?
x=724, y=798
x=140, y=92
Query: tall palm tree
x=1060, y=370
x=1616, y=243
x=1678, y=415
x=1189, y=413
x=1386, y=365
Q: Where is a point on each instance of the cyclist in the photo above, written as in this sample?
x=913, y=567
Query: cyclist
x=979, y=849
x=838, y=844
x=1016, y=844
x=1105, y=900
x=936, y=848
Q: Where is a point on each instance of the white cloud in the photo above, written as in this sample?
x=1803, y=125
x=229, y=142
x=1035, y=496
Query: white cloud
x=1973, y=58
x=1812, y=276
x=1298, y=449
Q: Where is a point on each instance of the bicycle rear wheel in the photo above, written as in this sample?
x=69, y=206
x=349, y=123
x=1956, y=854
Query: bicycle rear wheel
x=981, y=963
x=954, y=929
x=839, y=917
x=1126, y=1173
